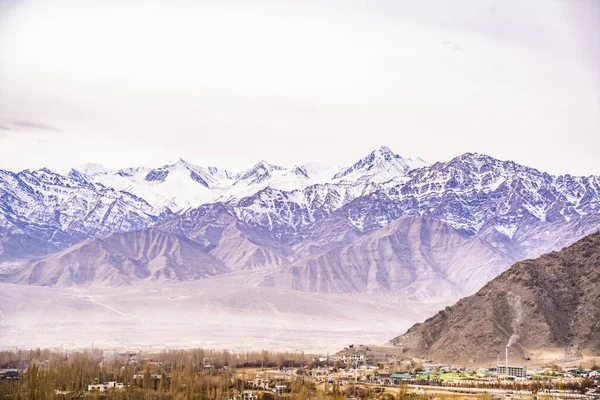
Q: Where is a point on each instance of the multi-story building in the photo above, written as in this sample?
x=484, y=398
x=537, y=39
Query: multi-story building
x=512, y=371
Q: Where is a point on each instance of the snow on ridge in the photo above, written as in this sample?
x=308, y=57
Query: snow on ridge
x=420, y=188
x=92, y=169
x=380, y=165
x=507, y=230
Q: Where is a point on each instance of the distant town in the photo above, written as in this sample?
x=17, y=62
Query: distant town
x=353, y=373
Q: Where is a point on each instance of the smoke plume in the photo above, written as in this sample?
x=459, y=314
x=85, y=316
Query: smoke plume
x=514, y=304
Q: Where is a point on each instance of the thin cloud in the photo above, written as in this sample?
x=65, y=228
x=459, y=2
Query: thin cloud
x=32, y=125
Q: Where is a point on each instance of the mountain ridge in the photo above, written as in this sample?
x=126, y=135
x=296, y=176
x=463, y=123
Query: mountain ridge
x=542, y=308
x=121, y=259
x=501, y=207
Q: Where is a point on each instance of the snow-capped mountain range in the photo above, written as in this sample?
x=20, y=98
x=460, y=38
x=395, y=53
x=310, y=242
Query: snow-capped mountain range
x=385, y=223
x=180, y=185
x=42, y=212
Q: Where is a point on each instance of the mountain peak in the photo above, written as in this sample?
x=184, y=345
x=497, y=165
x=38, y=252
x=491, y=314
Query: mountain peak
x=300, y=171
x=92, y=169
x=178, y=162
x=77, y=175
x=260, y=170
x=480, y=160
x=384, y=150
x=381, y=164
x=262, y=163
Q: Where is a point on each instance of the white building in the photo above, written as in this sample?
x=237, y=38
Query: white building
x=261, y=383
x=100, y=387
x=354, y=358
x=279, y=388
x=103, y=387
x=512, y=371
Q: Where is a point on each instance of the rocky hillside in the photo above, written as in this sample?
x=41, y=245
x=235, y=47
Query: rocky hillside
x=414, y=257
x=120, y=259
x=547, y=305
x=43, y=212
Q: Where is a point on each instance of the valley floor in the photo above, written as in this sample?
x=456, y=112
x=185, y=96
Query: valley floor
x=217, y=313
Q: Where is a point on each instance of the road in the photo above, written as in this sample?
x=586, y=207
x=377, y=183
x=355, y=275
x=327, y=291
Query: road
x=559, y=394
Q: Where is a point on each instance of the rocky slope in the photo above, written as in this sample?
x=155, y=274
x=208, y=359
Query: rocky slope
x=43, y=212
x=549, y=304
x=413, y=257
x=236, y=244
x=120, y=259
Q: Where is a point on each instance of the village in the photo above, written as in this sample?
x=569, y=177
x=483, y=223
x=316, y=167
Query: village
x=351, y=373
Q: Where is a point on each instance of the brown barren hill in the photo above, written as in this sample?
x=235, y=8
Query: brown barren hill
x=541, y=307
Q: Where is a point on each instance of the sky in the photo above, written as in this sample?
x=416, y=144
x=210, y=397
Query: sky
x=228, y=83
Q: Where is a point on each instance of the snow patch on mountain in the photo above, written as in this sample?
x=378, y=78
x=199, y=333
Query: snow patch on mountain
x=380, y=165
x=42, y=211
x=180, y=185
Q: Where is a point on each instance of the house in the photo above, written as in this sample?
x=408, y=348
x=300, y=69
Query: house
x=113, y=385
x=103, y=387
x=593, y=393
x=384, y=379
x=354, y=359
x=261, y=383
x=397, y=378
x=99, y=387
x=279, y=388
x=10, y=375
x=244, y=396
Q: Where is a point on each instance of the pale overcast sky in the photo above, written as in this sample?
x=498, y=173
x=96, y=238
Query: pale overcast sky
x=228, y=83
